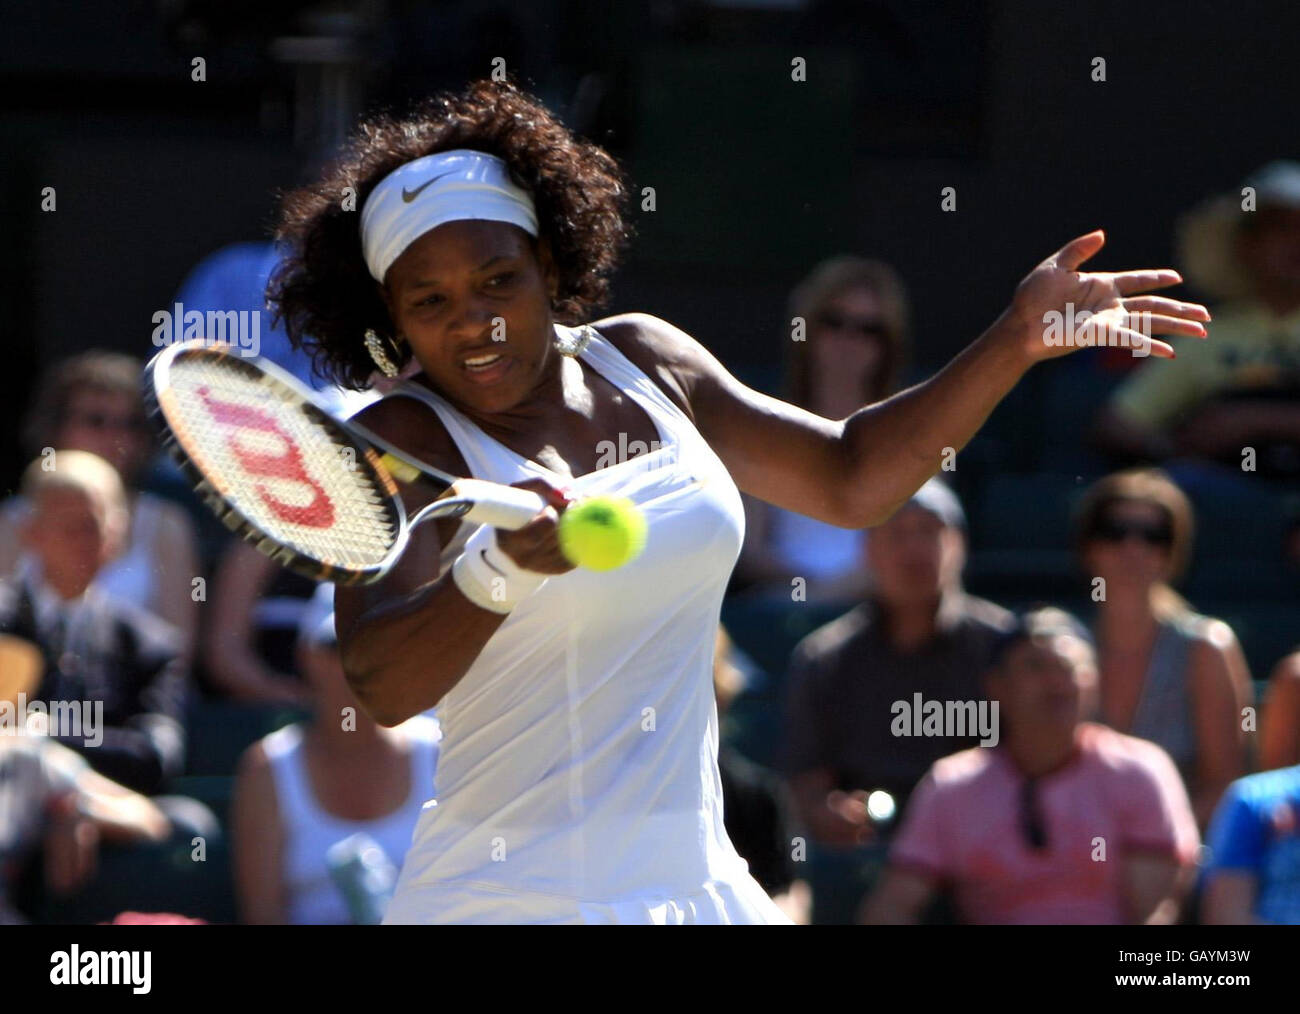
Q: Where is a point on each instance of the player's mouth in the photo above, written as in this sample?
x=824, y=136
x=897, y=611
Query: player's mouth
x=486, y=368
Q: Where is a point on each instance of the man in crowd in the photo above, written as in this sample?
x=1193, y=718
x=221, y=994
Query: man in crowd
x=1062, y=822
x=854, y=683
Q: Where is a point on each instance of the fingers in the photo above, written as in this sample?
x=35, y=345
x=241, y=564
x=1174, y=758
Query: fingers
x=1079, y=250
x=536, y=546
x=849, y=823
x=559, y=498
x=849, y=807
x=1174, y=307
x=1104, y=333
x=1132, y=328
x=1130, y=282
x=1155, y=347
x=1158, y=323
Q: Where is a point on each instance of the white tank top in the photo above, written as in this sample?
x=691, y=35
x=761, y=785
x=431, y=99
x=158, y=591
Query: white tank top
x=311, y=895
x=578, y=779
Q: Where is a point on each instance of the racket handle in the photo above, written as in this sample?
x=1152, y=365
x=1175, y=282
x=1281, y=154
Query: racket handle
x=500, y=506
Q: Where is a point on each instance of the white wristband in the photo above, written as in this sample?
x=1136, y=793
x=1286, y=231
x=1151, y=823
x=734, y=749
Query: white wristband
x=488, y=577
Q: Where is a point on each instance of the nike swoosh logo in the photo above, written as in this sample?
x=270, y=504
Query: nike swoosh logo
x=409, y=195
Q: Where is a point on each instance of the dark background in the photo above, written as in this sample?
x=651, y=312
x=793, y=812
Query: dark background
x=756, y=177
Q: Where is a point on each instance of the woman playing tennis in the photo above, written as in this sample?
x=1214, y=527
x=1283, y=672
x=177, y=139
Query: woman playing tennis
x=578, y=780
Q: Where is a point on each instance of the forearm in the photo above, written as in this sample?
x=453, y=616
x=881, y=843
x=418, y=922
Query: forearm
x=120, y=814
x=892, y=448
x=128, y=818
x=241, y=672
x=404, y=656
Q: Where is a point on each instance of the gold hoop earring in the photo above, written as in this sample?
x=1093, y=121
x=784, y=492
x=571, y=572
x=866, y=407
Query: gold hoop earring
x=379, y=355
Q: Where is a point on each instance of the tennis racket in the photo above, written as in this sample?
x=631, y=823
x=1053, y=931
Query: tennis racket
x=314, y=493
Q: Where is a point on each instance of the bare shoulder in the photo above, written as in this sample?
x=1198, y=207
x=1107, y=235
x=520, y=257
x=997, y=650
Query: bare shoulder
x=677, y=362
x=1214, y=641
x=415, y=428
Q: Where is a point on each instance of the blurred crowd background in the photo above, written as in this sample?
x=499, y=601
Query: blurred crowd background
x=821, y=199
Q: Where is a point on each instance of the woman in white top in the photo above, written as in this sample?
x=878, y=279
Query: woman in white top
x=311, y=785
x=578, y=778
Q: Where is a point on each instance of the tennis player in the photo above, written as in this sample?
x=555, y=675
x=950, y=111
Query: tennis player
x=578, y=780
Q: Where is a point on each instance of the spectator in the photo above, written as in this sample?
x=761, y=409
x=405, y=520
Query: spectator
x=97, y=648
x=49, y=795
x=755, y=810
x=1019, y=831
x=249, y=646
x=92, y=402
x=853, y=349
x=1168, y=675
x=311, y=785
x=1280, y=729
x=1242, y=387
x=1253, y=874
x=918, y=632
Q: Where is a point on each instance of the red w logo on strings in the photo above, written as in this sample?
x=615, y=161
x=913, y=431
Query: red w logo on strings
x=286, y=466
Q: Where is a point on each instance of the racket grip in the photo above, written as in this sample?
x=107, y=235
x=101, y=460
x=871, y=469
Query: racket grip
x=500, y=506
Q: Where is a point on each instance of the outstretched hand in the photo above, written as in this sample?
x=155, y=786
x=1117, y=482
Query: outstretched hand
x=1060, y=308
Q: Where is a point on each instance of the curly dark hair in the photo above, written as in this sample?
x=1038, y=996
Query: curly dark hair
x=323, y=290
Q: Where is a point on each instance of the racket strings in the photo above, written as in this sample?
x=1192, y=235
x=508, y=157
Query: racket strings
x=290, y=473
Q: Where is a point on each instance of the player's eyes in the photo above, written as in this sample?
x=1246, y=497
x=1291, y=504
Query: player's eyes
x=502, y=279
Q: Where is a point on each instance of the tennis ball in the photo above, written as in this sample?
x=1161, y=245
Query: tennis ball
x=602, y=532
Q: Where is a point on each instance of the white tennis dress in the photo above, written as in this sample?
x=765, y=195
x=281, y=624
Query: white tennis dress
x=578, y=777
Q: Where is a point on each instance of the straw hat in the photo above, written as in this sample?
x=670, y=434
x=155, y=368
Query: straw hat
x=1207, y=235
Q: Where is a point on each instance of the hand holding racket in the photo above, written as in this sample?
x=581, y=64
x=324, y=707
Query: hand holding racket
x=314, y=493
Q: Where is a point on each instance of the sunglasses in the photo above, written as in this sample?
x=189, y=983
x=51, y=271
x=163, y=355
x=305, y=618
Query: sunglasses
x=1032, y=825
x=864, y=326
x=1110, y=530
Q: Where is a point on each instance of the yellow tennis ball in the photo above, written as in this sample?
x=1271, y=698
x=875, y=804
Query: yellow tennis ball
x=602, y=532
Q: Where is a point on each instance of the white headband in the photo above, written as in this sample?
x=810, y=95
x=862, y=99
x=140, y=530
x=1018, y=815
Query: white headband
x=447, y=187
